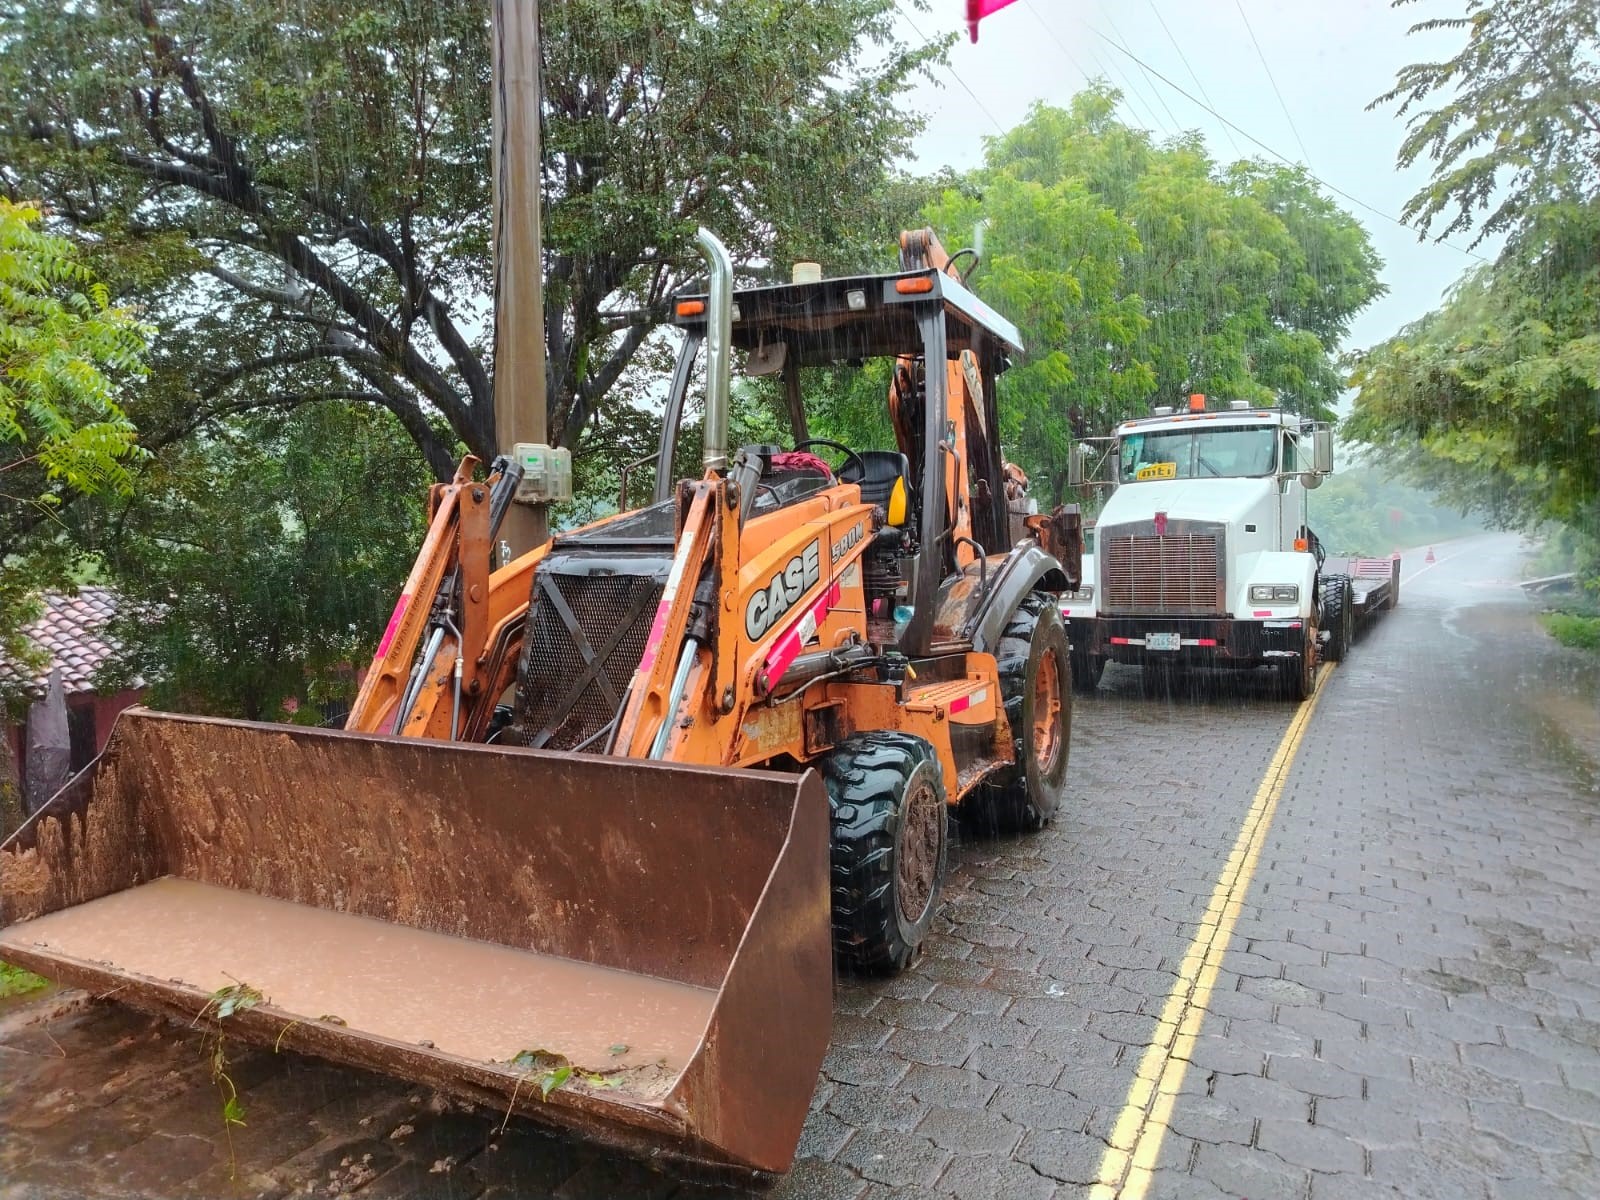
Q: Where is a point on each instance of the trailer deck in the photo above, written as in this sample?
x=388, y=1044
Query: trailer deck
x=1374, y=583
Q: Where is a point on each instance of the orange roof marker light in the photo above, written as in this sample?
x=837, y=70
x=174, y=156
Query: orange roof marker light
x=1197, y=402
x=917, y=283
x=691, y=308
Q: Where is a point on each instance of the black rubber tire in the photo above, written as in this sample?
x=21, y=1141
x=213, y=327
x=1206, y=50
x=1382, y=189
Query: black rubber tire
x=870, y=778
x=1086, y=670
x=1023, y=797
x=1338, y=617
x=1300, y=675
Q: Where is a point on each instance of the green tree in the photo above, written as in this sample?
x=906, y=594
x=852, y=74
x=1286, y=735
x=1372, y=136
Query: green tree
x=65, y=353
x=260, y=560
x=1365, y=510
x=843, y=403
x=1494, y=399
x=303, y=189
x=1139, y=272
x=1516, y=122
x=1054, y=263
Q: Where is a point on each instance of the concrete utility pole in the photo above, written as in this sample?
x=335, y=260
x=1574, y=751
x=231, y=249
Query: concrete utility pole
x=519, y=380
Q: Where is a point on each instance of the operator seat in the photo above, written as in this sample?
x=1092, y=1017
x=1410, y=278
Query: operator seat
x=887, y=473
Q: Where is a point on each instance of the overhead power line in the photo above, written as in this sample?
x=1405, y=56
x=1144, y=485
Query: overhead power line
x=1283, y=158
x=954, y=74
x=1248, y=28
x=1190, y=68
x=1205, y=105
x=1177, y=125
x=1140, y=117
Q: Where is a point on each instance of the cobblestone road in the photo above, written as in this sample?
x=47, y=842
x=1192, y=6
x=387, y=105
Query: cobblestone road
x=1409, y=1005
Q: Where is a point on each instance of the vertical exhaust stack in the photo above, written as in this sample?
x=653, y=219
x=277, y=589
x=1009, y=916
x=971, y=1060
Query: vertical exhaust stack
x=719, y=345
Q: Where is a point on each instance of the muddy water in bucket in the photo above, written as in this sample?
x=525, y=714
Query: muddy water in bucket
x=467, y=998
x=434, y=910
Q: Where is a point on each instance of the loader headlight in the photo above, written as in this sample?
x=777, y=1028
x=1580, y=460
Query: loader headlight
x=1269, y=593
x=1082, y=596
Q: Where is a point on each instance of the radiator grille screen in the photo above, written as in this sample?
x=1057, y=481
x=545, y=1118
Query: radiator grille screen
x=565, y=696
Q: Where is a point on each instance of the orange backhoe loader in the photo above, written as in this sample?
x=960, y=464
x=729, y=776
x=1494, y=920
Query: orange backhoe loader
x=602, y=819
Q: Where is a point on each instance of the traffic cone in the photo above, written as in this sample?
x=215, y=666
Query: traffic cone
x=1430, y=557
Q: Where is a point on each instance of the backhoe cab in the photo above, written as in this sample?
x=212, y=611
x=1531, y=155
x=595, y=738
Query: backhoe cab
x=737, y=720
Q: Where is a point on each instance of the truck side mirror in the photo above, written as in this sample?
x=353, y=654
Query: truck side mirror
x=1322, y=451
x=1075, y=465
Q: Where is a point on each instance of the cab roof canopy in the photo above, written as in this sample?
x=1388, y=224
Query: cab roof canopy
x=858, y=317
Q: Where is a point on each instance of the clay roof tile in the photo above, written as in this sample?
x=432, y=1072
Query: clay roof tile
x=71, y=630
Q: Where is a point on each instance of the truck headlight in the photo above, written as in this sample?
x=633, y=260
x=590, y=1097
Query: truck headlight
x=1082, y=596
x=1268, y=593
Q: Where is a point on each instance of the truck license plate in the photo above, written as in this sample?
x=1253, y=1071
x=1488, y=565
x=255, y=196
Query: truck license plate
x=1162, y=641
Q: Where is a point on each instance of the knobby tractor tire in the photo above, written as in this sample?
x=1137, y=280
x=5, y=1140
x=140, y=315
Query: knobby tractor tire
x=887, y=798
x=1034, y=687
x=1338, y=617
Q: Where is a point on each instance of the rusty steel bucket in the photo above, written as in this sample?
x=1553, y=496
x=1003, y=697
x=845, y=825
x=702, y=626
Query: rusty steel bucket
x=635, y=952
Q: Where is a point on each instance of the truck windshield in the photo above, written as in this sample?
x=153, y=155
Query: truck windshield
x=1198, y=453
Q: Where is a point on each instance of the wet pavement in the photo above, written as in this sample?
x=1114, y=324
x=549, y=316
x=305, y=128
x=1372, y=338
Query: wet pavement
x=1407, y=1003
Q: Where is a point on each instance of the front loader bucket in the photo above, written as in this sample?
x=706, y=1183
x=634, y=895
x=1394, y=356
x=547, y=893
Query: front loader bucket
x=473, y=918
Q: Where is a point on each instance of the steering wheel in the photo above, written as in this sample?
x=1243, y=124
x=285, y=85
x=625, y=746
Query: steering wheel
x=850, y=455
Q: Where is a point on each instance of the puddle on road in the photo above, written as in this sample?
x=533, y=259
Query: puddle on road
x=1560, y=687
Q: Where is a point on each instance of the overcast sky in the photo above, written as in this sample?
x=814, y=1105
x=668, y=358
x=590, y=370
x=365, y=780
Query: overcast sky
x=1329, y=59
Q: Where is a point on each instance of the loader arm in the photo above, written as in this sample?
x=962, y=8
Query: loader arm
x=436, y=644
x=661, y=680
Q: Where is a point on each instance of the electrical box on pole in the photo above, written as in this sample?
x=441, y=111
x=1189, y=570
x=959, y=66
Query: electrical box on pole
x=546, y=472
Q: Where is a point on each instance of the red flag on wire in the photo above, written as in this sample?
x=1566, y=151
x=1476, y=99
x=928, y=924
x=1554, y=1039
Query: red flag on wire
x=977, y=10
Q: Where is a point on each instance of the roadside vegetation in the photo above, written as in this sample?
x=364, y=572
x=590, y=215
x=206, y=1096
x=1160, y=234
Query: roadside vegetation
x=1572, y=615
x=1493, y=400
x=1575, y=630
x=67, y=355
x=1139, y=271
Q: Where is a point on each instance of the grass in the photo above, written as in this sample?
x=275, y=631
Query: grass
x=14, y=981
x=1572, y=629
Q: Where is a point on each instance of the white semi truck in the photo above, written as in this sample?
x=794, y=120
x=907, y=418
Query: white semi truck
x=1203, y=554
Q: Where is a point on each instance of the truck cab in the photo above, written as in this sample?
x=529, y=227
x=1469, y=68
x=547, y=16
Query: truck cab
x=1202, y=551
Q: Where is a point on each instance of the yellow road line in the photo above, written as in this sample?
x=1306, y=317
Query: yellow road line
x=1127, y=1166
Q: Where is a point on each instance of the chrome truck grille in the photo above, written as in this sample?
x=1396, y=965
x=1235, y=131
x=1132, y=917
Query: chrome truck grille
x=1176, y=573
